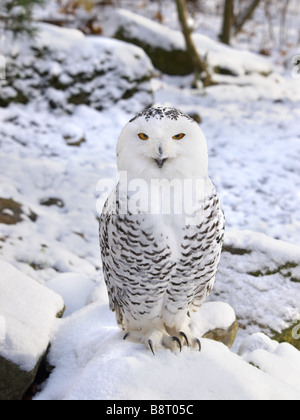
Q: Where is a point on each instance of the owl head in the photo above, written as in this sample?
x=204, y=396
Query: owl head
x=162, y=143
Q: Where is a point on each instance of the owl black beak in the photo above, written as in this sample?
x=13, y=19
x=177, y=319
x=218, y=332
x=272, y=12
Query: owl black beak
x=160, y=162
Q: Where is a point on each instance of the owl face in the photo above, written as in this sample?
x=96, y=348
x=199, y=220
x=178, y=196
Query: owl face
x=162, y=143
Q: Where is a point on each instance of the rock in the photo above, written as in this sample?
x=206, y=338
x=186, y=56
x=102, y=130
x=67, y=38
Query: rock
x=73, y=135
x=65, y=68
x=14, y=382
x=74, y=142
x=52, y=201
x=260, y=278
x=216, y=321
x=12, y=212
x=289, y=335
x=167, y=49
x=27, y=314
x=196, y=117
x=225, y=336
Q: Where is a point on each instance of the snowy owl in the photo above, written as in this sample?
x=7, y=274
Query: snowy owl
x=161, y=230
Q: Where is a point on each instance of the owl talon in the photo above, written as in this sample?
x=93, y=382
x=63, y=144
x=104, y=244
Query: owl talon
x=178, y=342
x=150, y=344
x=197, y=341
x=126, y=336
x=185, y=337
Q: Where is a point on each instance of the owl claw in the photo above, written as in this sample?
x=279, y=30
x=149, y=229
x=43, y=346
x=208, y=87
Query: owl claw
x=197, y=341
x=126, y=336
x=185, y=337
x=178, y=342
x=150, y=344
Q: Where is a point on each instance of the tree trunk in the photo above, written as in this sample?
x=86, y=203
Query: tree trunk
x=200, y=66
x=241, y=20
x=227, y=21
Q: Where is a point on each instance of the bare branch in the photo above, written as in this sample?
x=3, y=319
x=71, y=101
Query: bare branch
x=247, y=15
x=200, y=66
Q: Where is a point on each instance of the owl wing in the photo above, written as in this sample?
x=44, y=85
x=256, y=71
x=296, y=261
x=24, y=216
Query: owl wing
x=211, y=236
x=201, y=251
x=106, y=221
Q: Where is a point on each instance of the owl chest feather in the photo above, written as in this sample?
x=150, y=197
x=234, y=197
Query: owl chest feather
x=154, y=245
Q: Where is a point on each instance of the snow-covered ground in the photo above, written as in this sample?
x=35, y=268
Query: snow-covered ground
x=252, y=127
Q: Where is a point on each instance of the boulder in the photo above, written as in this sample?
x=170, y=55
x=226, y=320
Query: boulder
x=27, y=314
x=226, y=336
x=260, y=278
x=216, y=321
x=14, y=381
x=167, y=50
x=65, y=68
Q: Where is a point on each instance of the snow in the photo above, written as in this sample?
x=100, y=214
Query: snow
x=143, y=28
x=274, y=358
x=94, y=363
x=252, y=126
x=278, y=251
x=213, y=315
x=2, y=328
x=51, y=36
x=27, y=312
x=74, y=289
x=240, y=62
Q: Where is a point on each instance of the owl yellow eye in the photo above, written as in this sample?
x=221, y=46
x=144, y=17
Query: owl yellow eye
x=179, y=136
x=143, y=136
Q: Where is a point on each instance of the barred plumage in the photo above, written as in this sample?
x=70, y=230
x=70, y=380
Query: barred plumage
x=160, y=267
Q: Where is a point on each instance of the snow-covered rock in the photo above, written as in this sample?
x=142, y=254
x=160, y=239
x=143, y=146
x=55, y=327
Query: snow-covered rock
x=65, y=68
x=164, y=46
x=27, y=313
x=219, y=322
x=273, y=358
x=12, y=212
x=167, y=50
x=93, y=362
x=260, y=278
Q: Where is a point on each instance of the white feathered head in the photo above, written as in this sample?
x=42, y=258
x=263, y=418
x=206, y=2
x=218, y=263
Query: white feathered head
x=162, y=143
